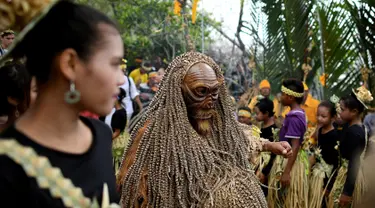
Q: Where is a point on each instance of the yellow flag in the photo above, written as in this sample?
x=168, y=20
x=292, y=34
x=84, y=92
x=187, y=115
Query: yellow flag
x=177, y=8
x=194, y=12
x=323, y=79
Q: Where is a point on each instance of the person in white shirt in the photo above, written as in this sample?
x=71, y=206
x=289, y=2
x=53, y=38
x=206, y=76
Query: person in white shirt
x=131, y=95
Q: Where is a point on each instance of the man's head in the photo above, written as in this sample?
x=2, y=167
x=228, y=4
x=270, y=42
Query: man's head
x=146, y=67
x=7, y=38
x=265, y=88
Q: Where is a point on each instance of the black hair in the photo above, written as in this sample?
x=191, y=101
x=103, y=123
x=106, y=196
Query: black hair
x=244, y=108
x=66, y=25
x=296, y=86
x=330, y=106
x=15, y=83
x=265, y=105
x=353, y=103
x=147, y=64
x=121, y=96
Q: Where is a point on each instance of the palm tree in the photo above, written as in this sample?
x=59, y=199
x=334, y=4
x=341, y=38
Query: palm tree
x=324, y=37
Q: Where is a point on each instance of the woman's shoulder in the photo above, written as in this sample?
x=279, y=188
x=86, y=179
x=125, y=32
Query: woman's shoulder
x=357, y=130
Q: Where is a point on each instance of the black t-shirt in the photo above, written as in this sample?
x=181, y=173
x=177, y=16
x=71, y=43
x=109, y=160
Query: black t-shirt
x=340, y=129
x=119, y=120
x=352, y=145
x=268, y=134
x=88, y=171
x=327, y=143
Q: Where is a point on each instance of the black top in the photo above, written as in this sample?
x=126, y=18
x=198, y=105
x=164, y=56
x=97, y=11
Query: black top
x=352, y=145
x=267, y=134
x=119, y=120
x=340, y=128
x=89, y=170
x=327, y=143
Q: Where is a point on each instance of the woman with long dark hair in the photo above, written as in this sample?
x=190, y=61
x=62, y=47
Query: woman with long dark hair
x=62, y=159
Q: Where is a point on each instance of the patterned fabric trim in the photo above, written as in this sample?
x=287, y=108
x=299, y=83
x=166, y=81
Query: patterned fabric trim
x=49, y=177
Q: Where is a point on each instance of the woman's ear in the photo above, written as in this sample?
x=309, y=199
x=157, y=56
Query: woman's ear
x=68, y=62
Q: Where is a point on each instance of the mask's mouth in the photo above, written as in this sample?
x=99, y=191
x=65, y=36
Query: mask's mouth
x=204, y=114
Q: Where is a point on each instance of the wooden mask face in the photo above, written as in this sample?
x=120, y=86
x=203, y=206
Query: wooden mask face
x=201, y=91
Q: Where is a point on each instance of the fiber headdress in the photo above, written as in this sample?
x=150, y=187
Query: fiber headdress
x=183, y=168
x=363, y=95
x=22, y=15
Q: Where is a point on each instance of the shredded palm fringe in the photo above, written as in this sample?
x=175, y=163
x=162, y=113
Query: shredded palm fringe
x=296, y=195
x=236, y=189
x=118, y=146
x=320, y=171
x=338, y=186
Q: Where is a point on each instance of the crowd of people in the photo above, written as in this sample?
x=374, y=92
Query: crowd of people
x=79, y=127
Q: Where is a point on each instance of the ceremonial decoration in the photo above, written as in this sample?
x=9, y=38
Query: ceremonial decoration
x=363, y=95
x=360, y=184
x=51, y=178
x=188, y=146
x=291, y=92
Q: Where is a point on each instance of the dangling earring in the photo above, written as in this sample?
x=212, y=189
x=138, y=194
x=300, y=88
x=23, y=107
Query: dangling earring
x=73, y=95
x=17, y=113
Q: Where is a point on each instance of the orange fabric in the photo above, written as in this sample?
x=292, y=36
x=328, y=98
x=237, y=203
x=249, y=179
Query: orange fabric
x=310, y=107
x=264, y=84
x=194, y=11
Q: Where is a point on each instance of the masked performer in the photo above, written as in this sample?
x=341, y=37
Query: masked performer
x=188, y=150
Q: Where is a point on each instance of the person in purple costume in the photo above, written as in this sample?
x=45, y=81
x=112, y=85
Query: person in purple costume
x=293, y=180
x=295, y=125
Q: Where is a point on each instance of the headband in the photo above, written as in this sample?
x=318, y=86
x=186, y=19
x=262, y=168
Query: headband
x=291, y=92
x=244, y=113
x=148, y=69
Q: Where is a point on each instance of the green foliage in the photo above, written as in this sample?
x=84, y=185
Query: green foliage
x=337, y=37
x=149, y=28
x=284, y=50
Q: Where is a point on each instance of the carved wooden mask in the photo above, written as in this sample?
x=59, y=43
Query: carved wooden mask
x=201, y=91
